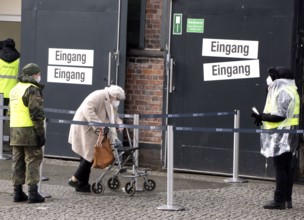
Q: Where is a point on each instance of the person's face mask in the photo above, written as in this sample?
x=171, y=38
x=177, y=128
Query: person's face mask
x=115, y=103
x=269, y=80
x=38, y=79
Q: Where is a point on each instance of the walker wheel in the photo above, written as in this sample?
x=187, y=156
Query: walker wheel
x=113, y=183
x=97, y=188
x=149, y=185
x=130, y=188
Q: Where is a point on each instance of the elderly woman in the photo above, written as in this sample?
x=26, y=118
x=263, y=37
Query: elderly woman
x=99, y=106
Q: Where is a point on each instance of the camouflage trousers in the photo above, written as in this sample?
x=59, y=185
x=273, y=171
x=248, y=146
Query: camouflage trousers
x=26, y=165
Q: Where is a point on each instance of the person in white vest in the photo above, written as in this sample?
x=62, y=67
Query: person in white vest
x=281, y=111
x=9, y=67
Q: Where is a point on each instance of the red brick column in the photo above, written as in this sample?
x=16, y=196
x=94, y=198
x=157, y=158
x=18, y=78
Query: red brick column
x=153, y=24
x=144, y=86
x=144, y=93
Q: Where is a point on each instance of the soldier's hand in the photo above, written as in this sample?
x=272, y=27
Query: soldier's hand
x=40, y=140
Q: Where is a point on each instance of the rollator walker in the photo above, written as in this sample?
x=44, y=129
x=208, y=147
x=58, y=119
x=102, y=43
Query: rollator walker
x=123, y=155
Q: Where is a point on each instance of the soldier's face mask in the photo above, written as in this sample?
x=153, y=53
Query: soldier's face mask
x=38, y=79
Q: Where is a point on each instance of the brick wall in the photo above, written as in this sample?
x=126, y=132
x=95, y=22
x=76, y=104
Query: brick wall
x=153, y=24
x=144, y=95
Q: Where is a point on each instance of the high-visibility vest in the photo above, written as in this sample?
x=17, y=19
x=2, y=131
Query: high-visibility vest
x=288, y=121
x=8, y=76
x=19, y=113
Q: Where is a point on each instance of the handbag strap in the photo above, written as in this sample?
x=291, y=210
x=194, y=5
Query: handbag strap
x=101, y=137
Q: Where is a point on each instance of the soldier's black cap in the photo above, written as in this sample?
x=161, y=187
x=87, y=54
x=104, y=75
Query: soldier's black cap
x=30, y=69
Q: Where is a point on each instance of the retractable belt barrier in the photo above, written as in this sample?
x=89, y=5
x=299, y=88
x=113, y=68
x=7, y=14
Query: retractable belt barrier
x=3, y=107
x=236, y=130
x=175, y=128
x=187, y=115
x=239, y=130
x=98, y=124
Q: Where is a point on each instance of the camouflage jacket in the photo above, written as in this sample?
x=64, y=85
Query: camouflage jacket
x=32, y=98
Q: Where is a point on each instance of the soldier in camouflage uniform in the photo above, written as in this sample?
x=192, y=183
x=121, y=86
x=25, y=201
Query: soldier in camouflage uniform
x=27, y=133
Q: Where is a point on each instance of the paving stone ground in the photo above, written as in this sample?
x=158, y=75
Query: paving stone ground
x=202, y=197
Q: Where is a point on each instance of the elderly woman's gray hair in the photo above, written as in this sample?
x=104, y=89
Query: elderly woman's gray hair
x=117, y=91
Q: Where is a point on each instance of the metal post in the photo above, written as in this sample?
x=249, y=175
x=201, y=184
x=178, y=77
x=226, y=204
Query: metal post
x=135, y=154
x=170, y=206
x=109, y=68
x=168, y=58
x=45, y=195
x=117, y=52
x=236, y=138
x=2, y=157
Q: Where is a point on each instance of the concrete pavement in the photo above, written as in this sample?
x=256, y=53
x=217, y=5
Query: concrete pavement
x=202, y=196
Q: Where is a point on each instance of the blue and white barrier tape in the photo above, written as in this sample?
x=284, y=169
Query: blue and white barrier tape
x=153, y=115
x=98, y=124
x=3, y=107
x=239, y=130
x=61, y=111
x=185, y=115
x=177, y=128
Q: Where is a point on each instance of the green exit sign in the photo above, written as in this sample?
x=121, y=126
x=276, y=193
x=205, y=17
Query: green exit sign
x=177, y=24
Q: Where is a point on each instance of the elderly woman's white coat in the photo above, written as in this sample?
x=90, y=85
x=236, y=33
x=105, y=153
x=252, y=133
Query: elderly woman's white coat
x=95, y=108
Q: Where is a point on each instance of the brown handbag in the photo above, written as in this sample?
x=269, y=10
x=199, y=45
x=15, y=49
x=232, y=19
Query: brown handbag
x=103, y=155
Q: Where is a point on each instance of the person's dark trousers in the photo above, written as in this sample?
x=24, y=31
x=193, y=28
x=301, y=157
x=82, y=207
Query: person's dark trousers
x=284, y=177
x=83, y=172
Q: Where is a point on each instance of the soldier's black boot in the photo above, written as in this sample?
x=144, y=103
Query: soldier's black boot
x=34, y=196
x=19, y=195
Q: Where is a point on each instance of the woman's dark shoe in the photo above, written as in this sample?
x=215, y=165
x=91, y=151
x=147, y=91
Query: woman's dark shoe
x=289, y=204
x=83, y=188
x=275, y=205
x=73, y=183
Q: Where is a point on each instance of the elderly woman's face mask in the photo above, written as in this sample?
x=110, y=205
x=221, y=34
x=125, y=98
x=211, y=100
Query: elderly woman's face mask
x=115, y=103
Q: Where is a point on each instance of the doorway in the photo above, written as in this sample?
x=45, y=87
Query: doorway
x=84, y=38
x=221, y=51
